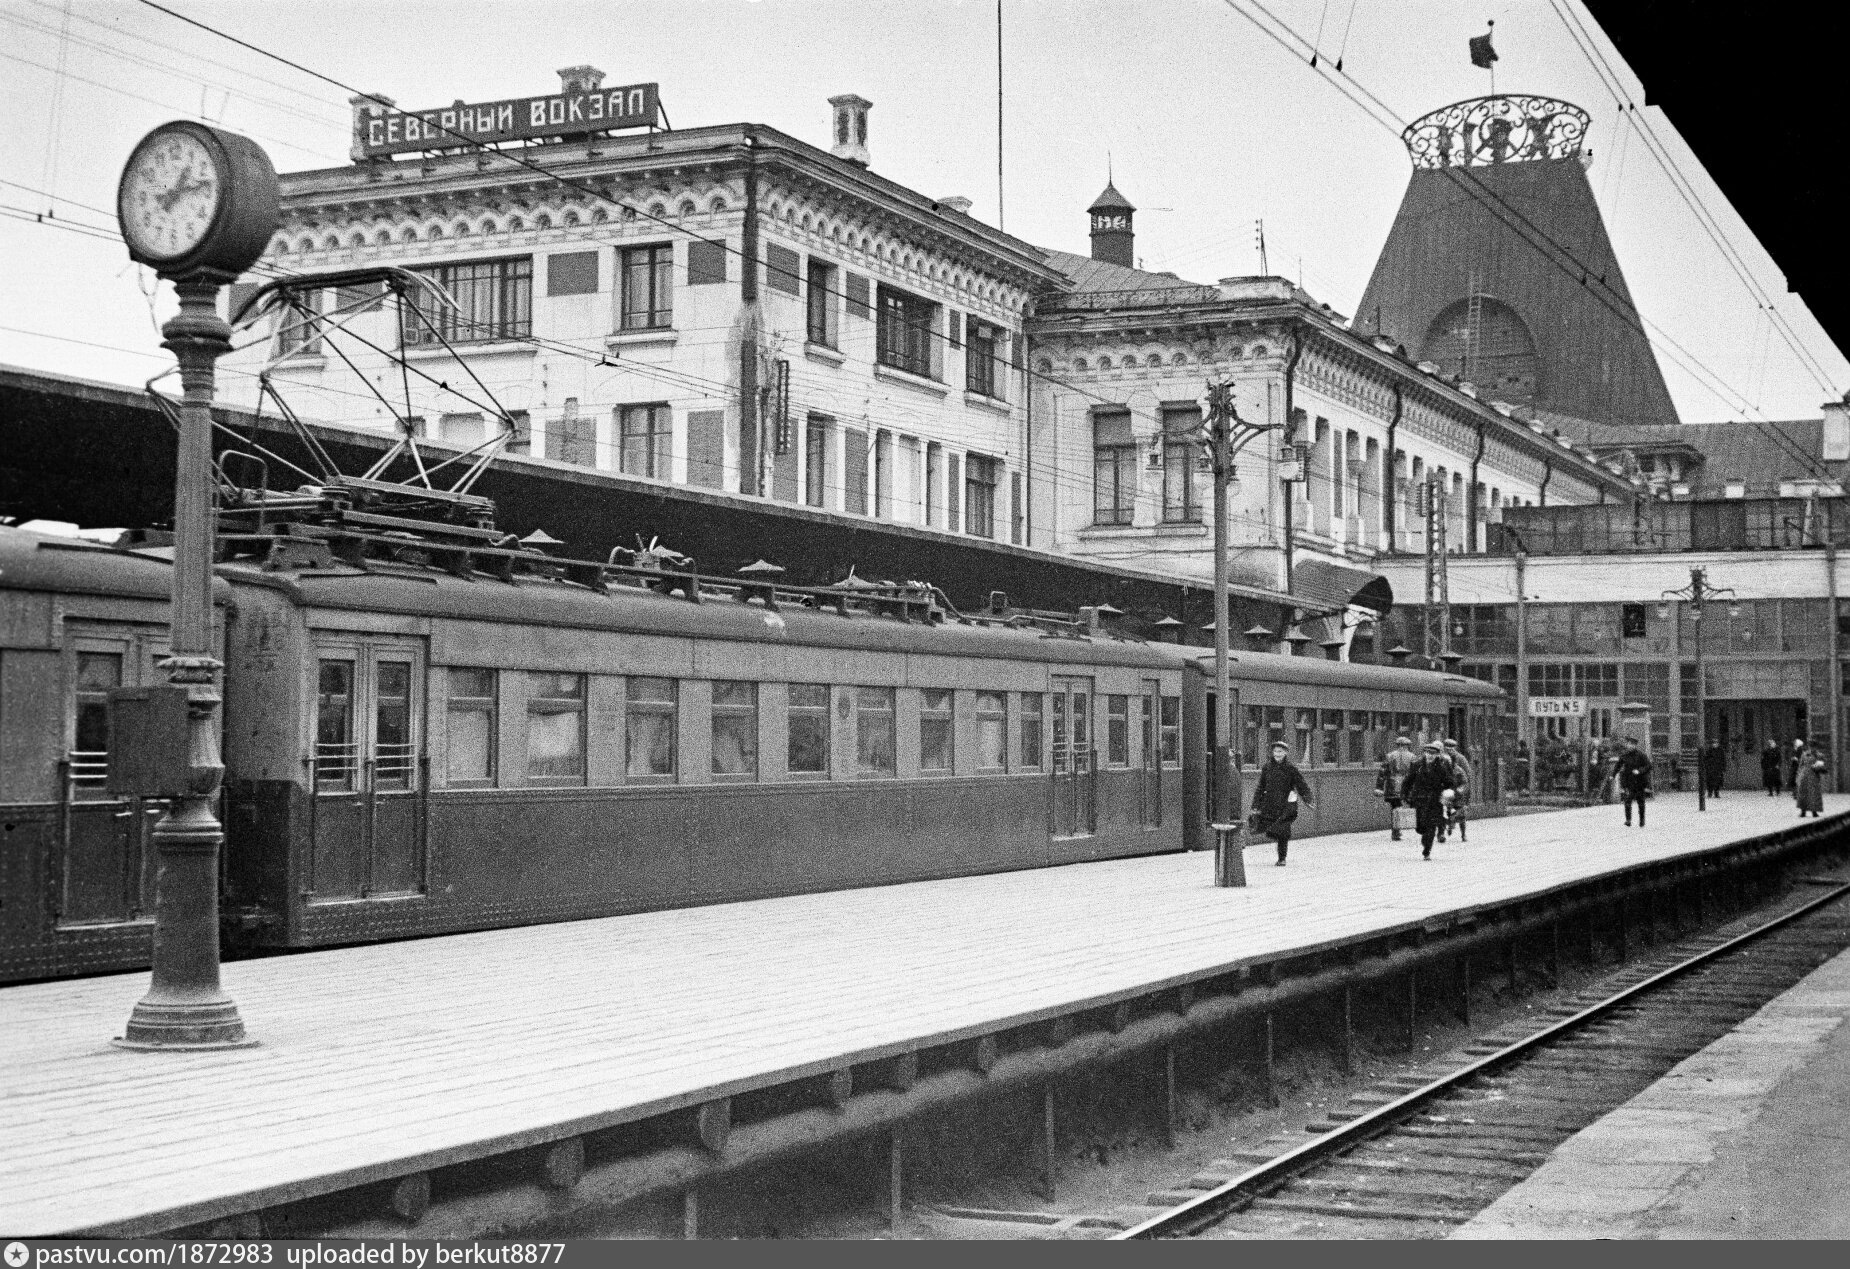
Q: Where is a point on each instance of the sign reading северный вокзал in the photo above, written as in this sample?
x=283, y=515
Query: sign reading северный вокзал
x=518, y=119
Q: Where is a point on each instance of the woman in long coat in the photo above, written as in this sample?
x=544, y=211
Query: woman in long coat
x=1810, y=792
x=1275, y=798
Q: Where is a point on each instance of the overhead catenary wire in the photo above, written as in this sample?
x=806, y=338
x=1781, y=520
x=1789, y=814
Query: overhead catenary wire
x=1557, y=254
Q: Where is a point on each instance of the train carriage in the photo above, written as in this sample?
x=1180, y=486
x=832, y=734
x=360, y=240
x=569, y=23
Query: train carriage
x=413, y=752
x=414, y=747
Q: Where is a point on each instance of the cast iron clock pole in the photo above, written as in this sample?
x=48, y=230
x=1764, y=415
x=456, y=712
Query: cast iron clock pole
x=198, y=206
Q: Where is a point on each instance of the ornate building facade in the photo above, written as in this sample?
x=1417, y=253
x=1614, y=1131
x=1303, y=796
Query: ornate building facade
x=723, y=307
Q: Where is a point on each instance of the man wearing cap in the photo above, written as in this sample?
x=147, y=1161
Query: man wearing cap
x=1634, y=776
x=1275, y=800
x=1392, y=775
x=1427, y=788
x=1461, y=785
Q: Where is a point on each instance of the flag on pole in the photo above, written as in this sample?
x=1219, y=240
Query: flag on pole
x=1482, y=54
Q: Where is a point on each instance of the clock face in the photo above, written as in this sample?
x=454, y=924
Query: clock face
x=170, y=195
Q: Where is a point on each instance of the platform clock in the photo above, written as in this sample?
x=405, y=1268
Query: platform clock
x=196, y=202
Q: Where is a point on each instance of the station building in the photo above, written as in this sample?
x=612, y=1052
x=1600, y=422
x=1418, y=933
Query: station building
x=736, y=311
x=1579, y=602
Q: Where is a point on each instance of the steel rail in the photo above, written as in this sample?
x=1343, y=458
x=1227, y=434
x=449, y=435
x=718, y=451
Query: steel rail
x=1210, y=1206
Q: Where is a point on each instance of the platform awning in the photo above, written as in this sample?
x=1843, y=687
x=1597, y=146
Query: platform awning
x=1324, y=587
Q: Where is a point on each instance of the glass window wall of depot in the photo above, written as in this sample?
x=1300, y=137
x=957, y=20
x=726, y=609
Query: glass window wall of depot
x=650, y=721
x=808, y=742
x=469, y=744
x=735, y=730
x=555, y=729
x=874, y=732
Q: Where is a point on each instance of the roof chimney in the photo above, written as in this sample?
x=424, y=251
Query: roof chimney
x=1111, y=227
x=851, y=128
x=580, y=79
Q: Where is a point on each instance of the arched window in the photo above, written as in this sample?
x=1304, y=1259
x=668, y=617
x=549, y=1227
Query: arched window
x=1498, y=355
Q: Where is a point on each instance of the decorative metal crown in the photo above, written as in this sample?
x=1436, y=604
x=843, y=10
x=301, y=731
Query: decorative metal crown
x=1500, y=129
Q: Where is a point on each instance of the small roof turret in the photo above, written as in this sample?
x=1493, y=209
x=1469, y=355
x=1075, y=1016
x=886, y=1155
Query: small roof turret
x=1111, y=200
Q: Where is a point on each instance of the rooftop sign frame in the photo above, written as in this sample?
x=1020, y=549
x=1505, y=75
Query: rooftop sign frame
x=385, y=132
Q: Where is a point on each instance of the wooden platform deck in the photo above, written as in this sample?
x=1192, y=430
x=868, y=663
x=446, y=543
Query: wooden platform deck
x=379, y=1061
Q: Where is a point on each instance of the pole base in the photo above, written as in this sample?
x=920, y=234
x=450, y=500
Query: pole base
x=183, y=1028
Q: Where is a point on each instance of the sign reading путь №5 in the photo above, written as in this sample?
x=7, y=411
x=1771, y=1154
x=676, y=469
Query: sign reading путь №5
x=519, y=119
x=1557, y=707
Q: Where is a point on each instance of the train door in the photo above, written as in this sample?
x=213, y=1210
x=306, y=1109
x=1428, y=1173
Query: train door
x=1074, y=783
x=108, y=865
x=368, y=770
x=1150, y=781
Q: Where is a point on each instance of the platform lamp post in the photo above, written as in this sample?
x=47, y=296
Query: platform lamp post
x=198, y=206
x=1227, y=434
x=1694, y=595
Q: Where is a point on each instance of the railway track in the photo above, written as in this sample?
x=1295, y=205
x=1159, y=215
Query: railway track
x=1419, y=1153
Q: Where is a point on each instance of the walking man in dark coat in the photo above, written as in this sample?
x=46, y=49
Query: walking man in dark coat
x=1394, y=768
x=1771, y=761
x=1276, y=798
x=1714, y=764
x=1633, y=773
x=1425, y=791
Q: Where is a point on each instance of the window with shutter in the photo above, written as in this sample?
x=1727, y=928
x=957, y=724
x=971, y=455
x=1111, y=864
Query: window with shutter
x=706, y=262
x=859, y=295
x=706, y=448
x=571, y=273
x=954, y=328
x=854, y=471
x=783, y=269
x=953, y=493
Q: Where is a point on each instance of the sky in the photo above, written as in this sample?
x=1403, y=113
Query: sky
x=1205, y=123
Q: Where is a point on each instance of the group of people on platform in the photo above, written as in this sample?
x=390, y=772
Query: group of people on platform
x=1435, y=785
x=1798, y=769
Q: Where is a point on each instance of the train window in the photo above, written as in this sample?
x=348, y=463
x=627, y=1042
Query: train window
x=1031, y=706
x=469, y=751
x=1304, y=738
x=1358, y=736
x=935, y=728
x=649, y=728
x=1172, y=731
x=992, y=731
x=735, y=729
x=555, y=728
x=1429, y=728
x=1117, y=730
x=394, y=752
x=336, y=753
x=873, y=731
x=1251, y=735
x=809, y=729
x=1383, y=738
x=1146, y=726
x=1332, y=747
x=97, y=672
